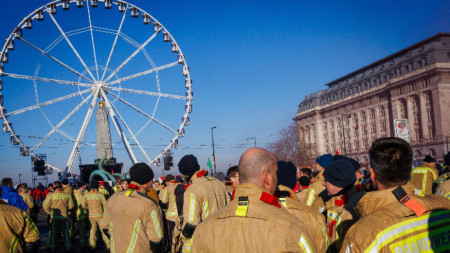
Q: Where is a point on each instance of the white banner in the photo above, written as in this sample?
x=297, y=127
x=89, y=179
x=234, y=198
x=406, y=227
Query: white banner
x=402, y=129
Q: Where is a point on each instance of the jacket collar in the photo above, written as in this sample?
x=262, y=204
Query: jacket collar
x=373, y=201
x=253, y=191
x=198, y=174
x=137, y=187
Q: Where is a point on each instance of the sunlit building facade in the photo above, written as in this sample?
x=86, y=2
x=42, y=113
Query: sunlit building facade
x=358, y=108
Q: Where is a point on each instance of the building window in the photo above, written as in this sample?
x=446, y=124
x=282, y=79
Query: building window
x=372, y=114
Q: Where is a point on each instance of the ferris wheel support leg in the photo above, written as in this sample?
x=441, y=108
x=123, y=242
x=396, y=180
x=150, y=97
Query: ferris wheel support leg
x=119, y=129
x=81, y=134
x=126, y=126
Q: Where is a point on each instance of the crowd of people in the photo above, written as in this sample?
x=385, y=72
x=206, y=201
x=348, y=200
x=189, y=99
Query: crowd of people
x=263, y=205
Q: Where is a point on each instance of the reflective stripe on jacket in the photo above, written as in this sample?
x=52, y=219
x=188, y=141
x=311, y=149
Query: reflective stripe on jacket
x=386, y=225
x=134, y=220
x=95, y=202
x=249, y=224
x=422, y=178
x=58, y=204
x=16, y=229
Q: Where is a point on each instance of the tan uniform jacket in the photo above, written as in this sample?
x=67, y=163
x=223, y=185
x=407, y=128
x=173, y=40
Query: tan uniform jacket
x=16, y=229
x=81, y=212
x=422, y=178
x=95, y=202
x=168, y=198
x=28, y=200
x=68, y=189
x=340, y=217
x=203, y=196
x=58, y=204
x=386, y=225
x=249, y=224
x=314, y=189
x=301, y=195
x=134, y=220
x=314, y=221
x=152, y=194
x=444, y=190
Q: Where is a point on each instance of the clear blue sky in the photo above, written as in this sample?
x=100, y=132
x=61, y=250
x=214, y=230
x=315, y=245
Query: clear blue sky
x=252, y=62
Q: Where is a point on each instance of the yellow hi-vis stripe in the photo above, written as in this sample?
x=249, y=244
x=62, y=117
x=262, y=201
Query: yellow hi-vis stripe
x=111, y=240
x=12, y=248
x=311, y=197
x=304, y=245
x=192, y=208
x=241, y=210
x=32, y=225
x=128, y=193
x=205, y=208
x=447, y=195
x=134, y=237
x=409, y=226
x=282, y=201
x=156, y=224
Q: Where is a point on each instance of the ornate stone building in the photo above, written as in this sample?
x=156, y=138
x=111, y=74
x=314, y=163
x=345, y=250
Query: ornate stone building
x=360, y=107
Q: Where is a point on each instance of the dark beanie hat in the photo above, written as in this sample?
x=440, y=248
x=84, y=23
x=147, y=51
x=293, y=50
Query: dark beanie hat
x=65, y=181
x=324, y=160
x=141, y=173
x=429, y=159
x=304, y=181
x=93, y=185
x=287, y=174
x=340, y=173
x=188, y=165
x=352, y=161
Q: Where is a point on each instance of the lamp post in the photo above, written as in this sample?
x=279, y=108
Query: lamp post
x=214, y=153
x=20, y=180
x=252, y=138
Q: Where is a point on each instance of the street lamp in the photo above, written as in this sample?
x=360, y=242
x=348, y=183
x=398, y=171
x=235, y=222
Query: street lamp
x=20, y=180
x=252, y=138
x=214, y=153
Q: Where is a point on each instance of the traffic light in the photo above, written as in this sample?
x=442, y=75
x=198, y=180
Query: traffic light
x=39, y=166
x=168, y=162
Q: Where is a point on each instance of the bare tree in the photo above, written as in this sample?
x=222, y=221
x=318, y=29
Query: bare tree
x=289, y=148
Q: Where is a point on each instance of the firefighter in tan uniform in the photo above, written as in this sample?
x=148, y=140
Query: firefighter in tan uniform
x=316, y=187
x=444, y=190
x=423, y=176
x=203, y=196
x=168, y=203
x=314, y=221
x=58, y=204
x=17, y=230
x=254, y=221
x=133, y=219
x=339, y=180
x=393, y=218
x=26, y=198
x=81, y=215
x=233, y=176
x=95, y=203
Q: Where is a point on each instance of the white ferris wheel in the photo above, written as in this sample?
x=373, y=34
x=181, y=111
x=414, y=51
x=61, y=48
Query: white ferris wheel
x=65, y=57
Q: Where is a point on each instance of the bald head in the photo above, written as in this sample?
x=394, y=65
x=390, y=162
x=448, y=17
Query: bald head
x=254, y=164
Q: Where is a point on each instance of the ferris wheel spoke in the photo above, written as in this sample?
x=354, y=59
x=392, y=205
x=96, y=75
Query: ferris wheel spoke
x=80, y=137
x=56, y=128
x=93, y=43
x=149, y=93
x=143, y=113
x=119, y=129
x=133, y=54
x=54, y=59
x=70, y=43
x=126, y=126
x=44, y=79
x=114, y=44
x=29, y=108
x=143, y=73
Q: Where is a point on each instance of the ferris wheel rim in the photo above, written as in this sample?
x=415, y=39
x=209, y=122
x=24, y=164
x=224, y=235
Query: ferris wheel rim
x=58, y=3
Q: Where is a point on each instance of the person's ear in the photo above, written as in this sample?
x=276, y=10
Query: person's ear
x=373, y=178
x=266, y=177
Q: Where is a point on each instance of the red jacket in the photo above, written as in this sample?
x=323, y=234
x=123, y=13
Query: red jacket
x=37, y=194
